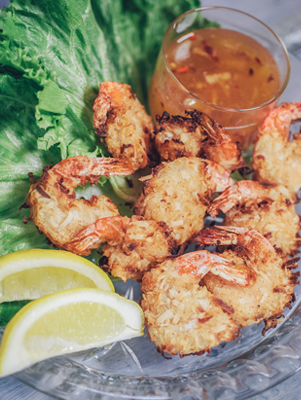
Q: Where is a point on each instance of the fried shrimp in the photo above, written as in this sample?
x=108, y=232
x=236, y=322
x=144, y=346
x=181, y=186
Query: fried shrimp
x=273, y=287
x=197, y=135
x=133, y=246
x=54, y=208
x=275, y=158
x=180, y=315
x=179, y=193
x=120, y=118
x=266, y=208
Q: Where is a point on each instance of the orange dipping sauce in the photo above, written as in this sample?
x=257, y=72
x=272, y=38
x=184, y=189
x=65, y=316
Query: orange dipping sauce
x=217, y=67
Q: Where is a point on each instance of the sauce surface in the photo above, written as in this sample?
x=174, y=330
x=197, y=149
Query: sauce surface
x=224, y=67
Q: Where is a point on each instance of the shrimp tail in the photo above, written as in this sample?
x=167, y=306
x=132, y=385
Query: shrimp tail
x=103, y=230
x=276, y=159
x=238, y=194
x=218, y=178
x=247, y=241
x=219, y=235
x=227, y=200
x=83, y=168
x=280, y=119
x=201, y=262
x=219, y=147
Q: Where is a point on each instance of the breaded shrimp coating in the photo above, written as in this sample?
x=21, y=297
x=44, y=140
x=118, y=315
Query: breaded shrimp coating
x=273, y=287
x=180, y=315
x=197, y=135
x=179, y=193
x=275, y=158
x=120, y=118
x=144, y=243
x=133, y=246
x=54, y=208
x=266, y=208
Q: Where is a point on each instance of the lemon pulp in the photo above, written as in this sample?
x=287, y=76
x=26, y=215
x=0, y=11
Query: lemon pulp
x=65, y=322
x=30, y=284
x=30, y=274
x=49, y=334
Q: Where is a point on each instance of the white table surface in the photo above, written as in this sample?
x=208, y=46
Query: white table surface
x=284, y=17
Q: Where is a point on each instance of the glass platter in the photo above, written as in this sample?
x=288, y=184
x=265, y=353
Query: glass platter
x=134, y=370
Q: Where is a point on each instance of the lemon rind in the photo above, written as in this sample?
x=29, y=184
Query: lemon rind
x=12, y=348
x=39, y=258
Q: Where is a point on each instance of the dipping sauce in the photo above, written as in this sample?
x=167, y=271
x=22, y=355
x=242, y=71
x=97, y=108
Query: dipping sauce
x=221, y=67
x=224, y=67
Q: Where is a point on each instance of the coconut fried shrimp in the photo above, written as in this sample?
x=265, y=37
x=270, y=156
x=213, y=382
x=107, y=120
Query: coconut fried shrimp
x=134, y=245
x=120, y=118
x=54, y=208
x=273, y=287
x=275, y=158
x=179, y=193
x=267, y=208
x=197, y=135
x=180, y=315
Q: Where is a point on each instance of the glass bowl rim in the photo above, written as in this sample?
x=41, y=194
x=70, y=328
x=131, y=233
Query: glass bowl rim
x=262, y=356
x=229, y=109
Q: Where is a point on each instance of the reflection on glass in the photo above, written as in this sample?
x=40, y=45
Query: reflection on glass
x=234, y=73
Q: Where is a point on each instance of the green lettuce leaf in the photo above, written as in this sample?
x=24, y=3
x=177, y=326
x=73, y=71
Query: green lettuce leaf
x=67, y=48
x=129, y=188
x=53, y=56
x=19, y=132
x=15, y=236
x=9, y=310
x=12, y=196
x=48, y=42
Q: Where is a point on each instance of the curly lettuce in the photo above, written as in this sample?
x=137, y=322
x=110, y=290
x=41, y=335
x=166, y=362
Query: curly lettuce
x=66, y=48
x=53, y=56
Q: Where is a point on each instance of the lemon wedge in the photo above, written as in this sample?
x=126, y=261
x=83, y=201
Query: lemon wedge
x=65, y=322
x=30, y=274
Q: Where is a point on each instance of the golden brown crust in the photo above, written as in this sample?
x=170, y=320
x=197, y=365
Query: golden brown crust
x=181, y=316
x=177, y=136
x=54, y=208
x=176, y=194
x=270, y=211
x=51, y=217
x=273, y=288
x=144, y=244
x=197, y=135
x=179, y=193
x=120, y=118
x=276, y=159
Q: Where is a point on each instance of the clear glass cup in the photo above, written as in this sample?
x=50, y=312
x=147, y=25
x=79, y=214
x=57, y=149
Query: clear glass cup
x=168, y=94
